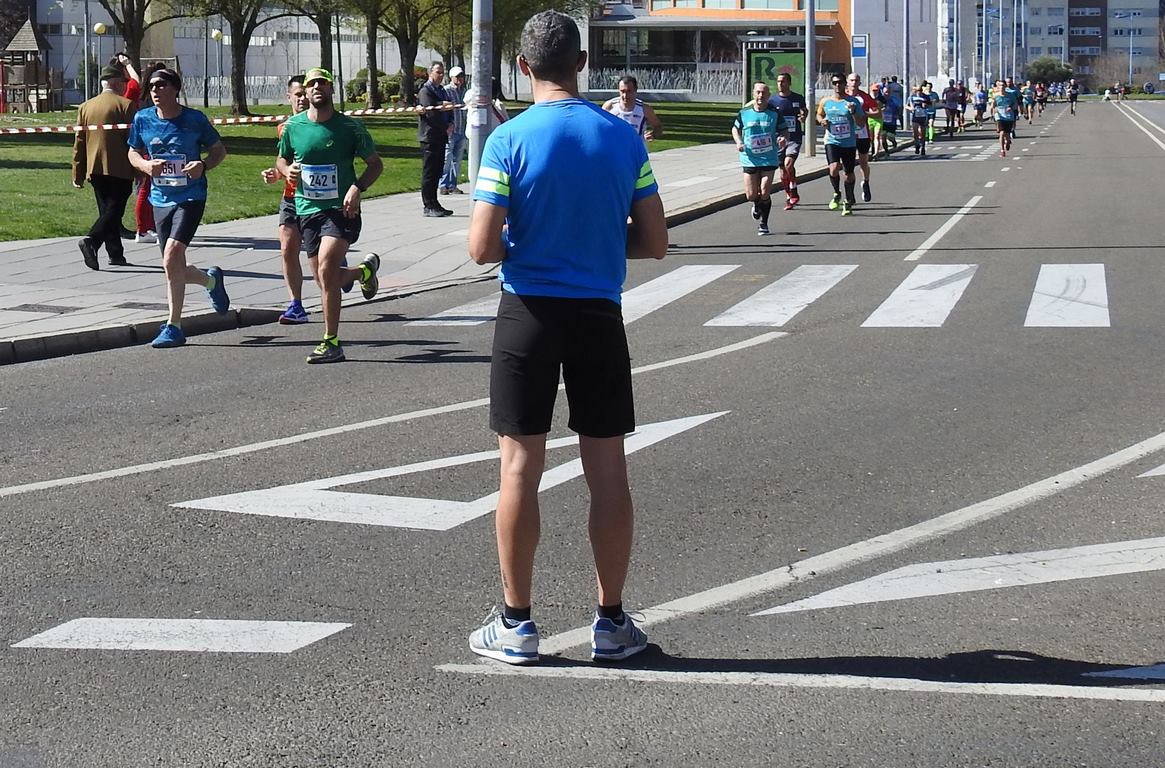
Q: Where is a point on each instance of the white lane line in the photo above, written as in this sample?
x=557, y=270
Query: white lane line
x=1025, y=149
x=199, y=458
x=977, y=574
x=654, y=294
x=1141, y=127
x=869, y=549
x=931, y=241
x=1069, y=296
x=789, y=680
x=1146, y=120
x=778, y=303
x=1005, y=169
x=195, y=635
x=989, y=185
x=925, y=298
x=637, y=302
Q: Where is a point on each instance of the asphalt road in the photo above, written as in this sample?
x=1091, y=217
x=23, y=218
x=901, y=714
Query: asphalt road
x=839, y=446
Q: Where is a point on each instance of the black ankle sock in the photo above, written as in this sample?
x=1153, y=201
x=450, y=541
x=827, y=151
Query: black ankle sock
x=765, y=207
x=512, y=617
x=835, y=181
x=849, y=192
x=612, y=612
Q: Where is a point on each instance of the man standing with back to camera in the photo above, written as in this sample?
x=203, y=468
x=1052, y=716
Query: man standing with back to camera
x=562, y=280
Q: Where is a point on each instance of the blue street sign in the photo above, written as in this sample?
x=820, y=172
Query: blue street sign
x=861, y=45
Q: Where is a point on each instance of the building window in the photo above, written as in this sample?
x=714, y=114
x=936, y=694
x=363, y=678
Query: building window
x=729, y=4
x=1055, y=50
x=1084, y=12
x=658, y=4
x=1084, y=31
x=1084, y=50
x=1035, y=50
x=783, y=5
x=1058, y=30
x=1035, y=30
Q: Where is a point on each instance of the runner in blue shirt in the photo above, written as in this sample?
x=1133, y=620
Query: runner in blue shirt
x=175, y=137
x=841, y=115
x=1005, y=110
x=759, y=134
x=562, y=274
x=917, y=105
x=790, y=105
x=980, y=105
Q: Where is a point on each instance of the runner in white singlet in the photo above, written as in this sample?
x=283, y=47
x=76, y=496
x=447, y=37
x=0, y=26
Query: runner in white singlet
x=633, y=111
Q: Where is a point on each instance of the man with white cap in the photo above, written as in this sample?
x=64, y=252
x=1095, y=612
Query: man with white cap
x=454, y=93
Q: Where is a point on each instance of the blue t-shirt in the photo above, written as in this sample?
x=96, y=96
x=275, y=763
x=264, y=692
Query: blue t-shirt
x=841, y=130
x=980, y=98
x=1005, y=107
x=178, y=142
x=790, y=108
x=758, y=133
x=567, y=173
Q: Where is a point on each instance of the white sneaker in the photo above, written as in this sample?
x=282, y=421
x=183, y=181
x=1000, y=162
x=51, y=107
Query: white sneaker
x=146, y=237
x=512, y=645
x=615, y=642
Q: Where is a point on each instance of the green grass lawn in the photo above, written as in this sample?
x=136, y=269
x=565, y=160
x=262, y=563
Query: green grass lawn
x=37, y=198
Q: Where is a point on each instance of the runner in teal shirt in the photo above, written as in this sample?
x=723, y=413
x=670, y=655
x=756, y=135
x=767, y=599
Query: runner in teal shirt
x=760, y=135
x=841, y=115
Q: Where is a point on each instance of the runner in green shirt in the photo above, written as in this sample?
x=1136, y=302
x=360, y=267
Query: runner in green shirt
x=316, y=150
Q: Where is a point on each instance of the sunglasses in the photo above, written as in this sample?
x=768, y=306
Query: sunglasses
x=158, y=85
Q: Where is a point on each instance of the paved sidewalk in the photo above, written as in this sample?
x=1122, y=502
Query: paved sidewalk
x=52, y=305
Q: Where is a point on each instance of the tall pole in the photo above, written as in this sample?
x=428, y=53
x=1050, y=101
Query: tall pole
x=482, y=48
x=85, y=62
x=340, y=62
x=1014, y=22
x=205, y=62
x=811, y=74
x=985, y=46
x=1002, y=76
x=958, y=40
x=906, y=46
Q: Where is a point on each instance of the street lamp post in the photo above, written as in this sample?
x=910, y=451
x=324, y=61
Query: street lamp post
x=216, y=35
x=99, y=30
x=924, y=44
x=1129, y=34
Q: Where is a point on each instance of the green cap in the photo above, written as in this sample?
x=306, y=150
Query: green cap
x=316, y=73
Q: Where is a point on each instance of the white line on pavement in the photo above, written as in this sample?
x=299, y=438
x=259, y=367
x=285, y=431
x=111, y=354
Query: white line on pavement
x=1005, y=169
x=1069, y=296
x=137, y=469
x=199, y=635
x=989, y=185
x=869, y=549
x=786, y=680
x=1143, y=130
x=931, y=241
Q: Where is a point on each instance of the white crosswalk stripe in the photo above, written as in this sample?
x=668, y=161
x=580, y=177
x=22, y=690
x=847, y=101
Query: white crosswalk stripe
x=1063, y=296
x=1069, y=295
x=924, y=298
x=778, y=303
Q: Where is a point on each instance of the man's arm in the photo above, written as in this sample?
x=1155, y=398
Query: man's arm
x=373, y=167
x=609, y=103
x=80, y=158
x=821, y=114
x=647, y=230
x=653, y=121
x=214, y=156
x=485, y=233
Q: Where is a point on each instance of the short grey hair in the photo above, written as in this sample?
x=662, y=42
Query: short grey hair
x=551, y=45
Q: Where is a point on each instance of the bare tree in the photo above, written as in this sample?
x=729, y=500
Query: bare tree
x=130, y=16
x=243, y=17
x=408, y=21
x=323, y=15
x=371, y=12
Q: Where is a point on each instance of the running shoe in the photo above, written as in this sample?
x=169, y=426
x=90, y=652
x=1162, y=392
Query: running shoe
x=346, y=287
x=615, y=642
x=763, y=229
x=835, y=202
x=89, y=253
x=866, y=196
x=295, y=314
x=146, y=237
x=168, y=336
x=789, y=205
x=512, y=645
x=755, y=213
x=369, y=285
x=326, y=352
x=847, y=209
x=218, y=294
x=795, y=199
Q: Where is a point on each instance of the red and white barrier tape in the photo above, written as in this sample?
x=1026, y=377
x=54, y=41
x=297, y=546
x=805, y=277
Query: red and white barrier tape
x=225, y=120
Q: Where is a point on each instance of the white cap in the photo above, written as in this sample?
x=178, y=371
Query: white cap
x=456, y=72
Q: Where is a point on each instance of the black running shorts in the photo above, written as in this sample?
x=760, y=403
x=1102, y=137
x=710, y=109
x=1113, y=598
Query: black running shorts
x=847, y=156
x=864, y=146
x=287, y=215
x=754, y=170
x=178, y=222
x=330, y=223
x=537, y=336
x=1005, y=126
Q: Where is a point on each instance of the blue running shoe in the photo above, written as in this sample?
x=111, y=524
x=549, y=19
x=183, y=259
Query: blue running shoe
x=168, y=336
x=615, y=642
x=517, y=645
x=346, y=287
x=218, y=294
x=295, y=314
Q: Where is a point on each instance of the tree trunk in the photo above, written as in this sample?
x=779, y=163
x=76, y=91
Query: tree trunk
x=324, y=26
x=240, y=42
x=408, y=63
x=373, y=86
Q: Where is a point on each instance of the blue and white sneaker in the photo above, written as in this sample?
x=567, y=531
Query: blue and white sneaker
x=168, y=336
x=295, y=314
x=218, y=294
x=517, y=645
x=615, y=642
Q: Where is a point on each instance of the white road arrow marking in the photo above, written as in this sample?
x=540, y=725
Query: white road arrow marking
x=314, y=501
x=953, y=576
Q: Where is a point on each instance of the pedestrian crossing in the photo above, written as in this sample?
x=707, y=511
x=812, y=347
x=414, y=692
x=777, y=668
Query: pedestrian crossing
x=1062, y=296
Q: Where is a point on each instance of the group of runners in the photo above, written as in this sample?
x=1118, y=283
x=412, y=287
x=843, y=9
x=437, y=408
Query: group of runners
x=859, y=126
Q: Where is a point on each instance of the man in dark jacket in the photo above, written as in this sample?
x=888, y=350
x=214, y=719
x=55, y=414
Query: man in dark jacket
x=433, y=129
